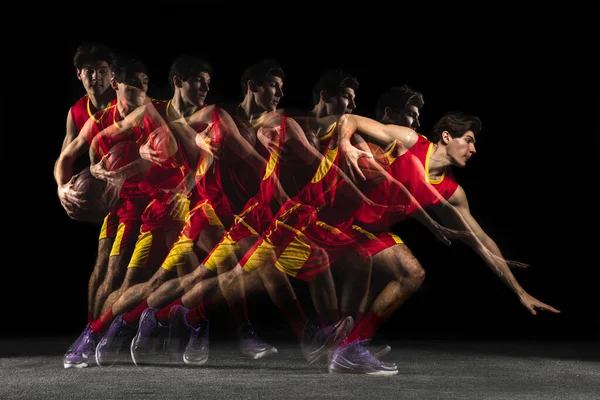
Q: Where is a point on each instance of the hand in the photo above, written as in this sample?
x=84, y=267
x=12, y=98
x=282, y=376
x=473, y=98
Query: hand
x=71, y=199
x=156, y=149
x=531, y=303
x=180, y=204
x=445, y=235
x=115, y=178
x=510, y=263
x=205, y=143
x=149, y=154
x=351, y=155
x=516, y=264
x=454, y=234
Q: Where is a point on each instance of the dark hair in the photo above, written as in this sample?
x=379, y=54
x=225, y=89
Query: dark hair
x=397, y=98
x=89, y=53
x=259, y=72
x=333, y=82
x=187, y=66
x=126, y=70
x=457, y=124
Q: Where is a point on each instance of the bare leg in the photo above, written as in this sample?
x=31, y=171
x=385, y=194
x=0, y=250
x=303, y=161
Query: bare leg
x=99, y=273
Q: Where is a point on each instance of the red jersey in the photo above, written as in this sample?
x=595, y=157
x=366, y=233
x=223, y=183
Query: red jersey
x=80, y=111
x=411, y=169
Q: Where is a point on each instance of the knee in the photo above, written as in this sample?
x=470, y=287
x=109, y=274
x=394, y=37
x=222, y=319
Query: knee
x=416, y=276
x=228, y=278
x=157, y=279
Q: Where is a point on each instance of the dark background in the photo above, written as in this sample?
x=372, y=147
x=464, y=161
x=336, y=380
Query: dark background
x=531, y=185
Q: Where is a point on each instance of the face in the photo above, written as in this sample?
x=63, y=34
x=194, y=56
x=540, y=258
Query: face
x=343, y=103
x=195, y=89
x=144, y=80
x=268, y=95
x=95, y=77
x=129, y=97
x=407, y=116
x=461, y=149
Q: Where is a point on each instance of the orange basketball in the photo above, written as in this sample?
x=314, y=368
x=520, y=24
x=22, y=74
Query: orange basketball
x=99, y=197
x=121, y=154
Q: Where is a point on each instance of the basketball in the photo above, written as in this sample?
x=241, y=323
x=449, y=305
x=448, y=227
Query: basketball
x=98, y=197
x=120, y=155
x=372, y=168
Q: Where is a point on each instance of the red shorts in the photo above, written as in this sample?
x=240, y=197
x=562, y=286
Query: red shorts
x=110, y=225
x=200, y=217
x=166, y=214
x=374, y=243
x=126, y=216
x=255, y=219
x=302, y=253
x=150, y=250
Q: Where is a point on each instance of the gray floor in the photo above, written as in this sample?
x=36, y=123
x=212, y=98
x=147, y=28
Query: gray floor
x=32, y=369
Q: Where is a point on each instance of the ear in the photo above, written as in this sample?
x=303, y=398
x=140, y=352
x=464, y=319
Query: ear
x=114, y=83
x=324, y=96
x=446, y=137
x=252, y=86
x=78, y=74
x=387, y=111
x=177, y=81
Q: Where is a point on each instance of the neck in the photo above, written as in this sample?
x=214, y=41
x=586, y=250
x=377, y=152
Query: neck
x=438, y=161
x=181, y=107
x=250, y=109
x=124, y=108
x=320, y=110
x=100, y=101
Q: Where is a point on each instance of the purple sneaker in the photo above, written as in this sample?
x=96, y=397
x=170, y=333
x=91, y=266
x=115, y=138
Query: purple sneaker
x=147, y=344
x=196, y=351
x=119, y=335
x=356, y=358
x=251, y=345
x=379, y=350
x=316, y=341
x=177, y=335
x=81, y=352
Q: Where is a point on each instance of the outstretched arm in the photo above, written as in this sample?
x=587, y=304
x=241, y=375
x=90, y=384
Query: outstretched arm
x=488, y=250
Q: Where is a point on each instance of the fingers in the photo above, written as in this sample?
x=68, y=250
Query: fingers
x=443, y=238
x=532, y=310
x=358, y=171
x=362, y=153
x=74, y=199
x=546, y=307
x=351, y=172
x=517, y=264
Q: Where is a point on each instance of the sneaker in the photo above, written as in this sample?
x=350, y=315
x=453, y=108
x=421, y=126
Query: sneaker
x=251, y=345
x=81, y=352
x=356, y=358
x=316, y=341
x=177, y=334
x=379, y=351
x=147, y=344
x=196, y=351
x=118, y=336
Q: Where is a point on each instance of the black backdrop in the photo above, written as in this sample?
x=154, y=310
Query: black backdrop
x=527, y=184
